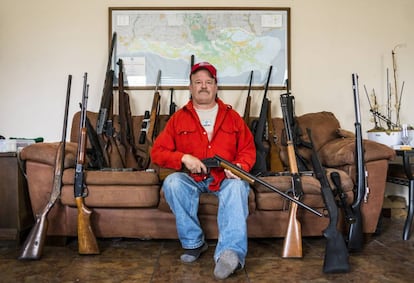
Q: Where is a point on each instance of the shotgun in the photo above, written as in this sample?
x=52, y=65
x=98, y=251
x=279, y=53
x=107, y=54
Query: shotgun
x=246, y=115
x=355, y=233
x=87, y=243
x=336, y=252
x=292, y=244
x=33, y=245
x=218, y=161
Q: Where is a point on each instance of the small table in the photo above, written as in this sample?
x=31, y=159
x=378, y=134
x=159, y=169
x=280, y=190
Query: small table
x=402, y=174
x=16, y=217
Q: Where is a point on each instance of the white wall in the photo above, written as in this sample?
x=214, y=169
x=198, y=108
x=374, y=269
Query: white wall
x=43, y=41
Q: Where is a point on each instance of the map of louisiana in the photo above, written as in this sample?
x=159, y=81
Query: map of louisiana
x=235, y=41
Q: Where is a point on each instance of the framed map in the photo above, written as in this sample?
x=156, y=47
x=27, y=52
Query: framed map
x=236, y=41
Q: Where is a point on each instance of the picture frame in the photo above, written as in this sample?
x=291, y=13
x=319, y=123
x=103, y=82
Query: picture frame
x=169, y=40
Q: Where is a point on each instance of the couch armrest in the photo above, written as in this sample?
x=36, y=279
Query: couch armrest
x=46, y=153
x=341, y=151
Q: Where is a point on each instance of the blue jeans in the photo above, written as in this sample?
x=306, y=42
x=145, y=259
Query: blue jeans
x=182, y=194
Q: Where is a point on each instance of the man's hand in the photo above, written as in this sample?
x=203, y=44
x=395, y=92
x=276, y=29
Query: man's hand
x=193, y=164
x=230, y=175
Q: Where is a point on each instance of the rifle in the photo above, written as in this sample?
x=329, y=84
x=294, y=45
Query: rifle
x=149, y=133
x=246, y=115
x=355, y=233
x=336, y=253
x=349, y=215
x=218, y=161
x=103, y=125
x=33, y=245
x=295, y=129
x=86, y=239
x=126, y=135
x=96, y=153
x=173, y=106
x=259, y=130
x=292, y=245
x=276, y=164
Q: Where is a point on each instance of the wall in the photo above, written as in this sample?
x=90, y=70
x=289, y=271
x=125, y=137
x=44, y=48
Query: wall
x=43, y=41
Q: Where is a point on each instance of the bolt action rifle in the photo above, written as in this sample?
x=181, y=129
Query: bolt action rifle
x=148, y=134
x=292, y=245
x=87, y=243
x=336, y=253
x=355, y=233
x=33, y=246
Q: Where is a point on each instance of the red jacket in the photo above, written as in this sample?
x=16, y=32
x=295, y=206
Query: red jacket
x=183, y=133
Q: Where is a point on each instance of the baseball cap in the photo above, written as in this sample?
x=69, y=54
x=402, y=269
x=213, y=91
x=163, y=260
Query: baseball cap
x=206, y=66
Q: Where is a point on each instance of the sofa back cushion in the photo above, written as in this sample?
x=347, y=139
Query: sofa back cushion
x=324, y=128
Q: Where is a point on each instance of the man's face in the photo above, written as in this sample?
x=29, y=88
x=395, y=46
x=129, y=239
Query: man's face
x=203, y=89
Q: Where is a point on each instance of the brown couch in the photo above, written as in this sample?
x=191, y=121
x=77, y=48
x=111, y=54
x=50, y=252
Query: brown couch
x=131, y=204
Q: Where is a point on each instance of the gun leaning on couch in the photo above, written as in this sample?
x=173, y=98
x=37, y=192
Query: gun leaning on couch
x=87, y=243
x=355, y=233
x=148, y=131
x=292, y=245
x=33, y=245
x=336, y=252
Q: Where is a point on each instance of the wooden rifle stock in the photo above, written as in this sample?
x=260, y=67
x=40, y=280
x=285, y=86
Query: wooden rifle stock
x=336, y=253
x=87, y=243
x=33, y=245
x=292, y=245
x=355, y=233
x=246, y=115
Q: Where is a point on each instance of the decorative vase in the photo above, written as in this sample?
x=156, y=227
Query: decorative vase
x=390, y=137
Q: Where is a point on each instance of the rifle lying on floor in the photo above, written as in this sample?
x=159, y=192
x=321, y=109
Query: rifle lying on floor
x=336, y=252
x=33, y=246
x=86, y=239
x=218, y=161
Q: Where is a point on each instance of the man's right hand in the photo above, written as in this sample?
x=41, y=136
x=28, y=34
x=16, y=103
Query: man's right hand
x=193, y=164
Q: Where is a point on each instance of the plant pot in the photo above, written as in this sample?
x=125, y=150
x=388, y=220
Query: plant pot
x=389, y=138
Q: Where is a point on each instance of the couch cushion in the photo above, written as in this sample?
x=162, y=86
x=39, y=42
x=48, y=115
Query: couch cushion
x=114, y=188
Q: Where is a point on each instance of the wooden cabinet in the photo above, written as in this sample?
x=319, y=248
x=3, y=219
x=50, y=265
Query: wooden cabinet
x=16, y=217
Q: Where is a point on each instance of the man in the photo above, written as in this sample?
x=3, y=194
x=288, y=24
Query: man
x=202, y=128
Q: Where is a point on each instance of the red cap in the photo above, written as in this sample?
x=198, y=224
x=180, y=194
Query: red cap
x=206, y=66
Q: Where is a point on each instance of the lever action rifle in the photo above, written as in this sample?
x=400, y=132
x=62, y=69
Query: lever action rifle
x=336, y=253
x=259, y=131
x=246, y=115
x=86, y=239
x=33, y=245
x=218, y=161
x=149, y=132
x=355, y=233
x=292, y=245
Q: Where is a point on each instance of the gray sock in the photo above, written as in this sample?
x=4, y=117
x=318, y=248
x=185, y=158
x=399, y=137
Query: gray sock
x=226, y=264
x=191, y=255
